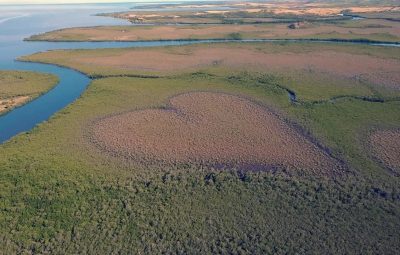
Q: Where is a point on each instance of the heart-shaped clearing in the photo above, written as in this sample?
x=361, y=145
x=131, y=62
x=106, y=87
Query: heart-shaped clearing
x=212, y=129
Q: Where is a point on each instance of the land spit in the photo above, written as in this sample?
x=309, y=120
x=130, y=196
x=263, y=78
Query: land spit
x=378, y=71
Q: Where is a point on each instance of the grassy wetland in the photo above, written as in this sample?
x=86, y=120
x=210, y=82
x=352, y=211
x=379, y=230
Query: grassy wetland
x=79, y=188
x=252, y=20
x=362, y=30
x=19, y=87
x=323, y=71
x=228, y=148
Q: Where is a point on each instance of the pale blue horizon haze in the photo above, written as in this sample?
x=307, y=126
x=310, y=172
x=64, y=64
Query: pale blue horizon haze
x=17, y=2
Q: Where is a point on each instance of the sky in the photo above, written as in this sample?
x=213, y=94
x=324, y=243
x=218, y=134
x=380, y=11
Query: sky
x=76, y=1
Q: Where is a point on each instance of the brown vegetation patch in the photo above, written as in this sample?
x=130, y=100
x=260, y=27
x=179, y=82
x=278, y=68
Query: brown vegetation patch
x=385, y=79
x=385, y=146
x=212, y=129
x=337, y=63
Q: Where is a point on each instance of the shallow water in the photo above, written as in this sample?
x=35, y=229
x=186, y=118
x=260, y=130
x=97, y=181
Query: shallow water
x=18, y=22
x=14, y=28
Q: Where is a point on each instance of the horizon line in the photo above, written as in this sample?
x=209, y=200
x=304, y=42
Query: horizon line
x=106, y=2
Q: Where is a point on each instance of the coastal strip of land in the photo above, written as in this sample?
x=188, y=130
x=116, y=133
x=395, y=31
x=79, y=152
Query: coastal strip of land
x=19, y=87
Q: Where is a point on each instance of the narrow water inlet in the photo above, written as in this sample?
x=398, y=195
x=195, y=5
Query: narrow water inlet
x=292, y=96
x=24, y=118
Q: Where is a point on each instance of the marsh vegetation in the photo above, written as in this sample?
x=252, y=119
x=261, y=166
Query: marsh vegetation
x=231, y=148
x=87, y=199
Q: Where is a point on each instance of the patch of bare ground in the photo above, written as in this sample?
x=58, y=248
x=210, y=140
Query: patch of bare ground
x=256, y=8
x=329, y=10
x=380, y=71
x=213, y=129
x=9, y=103
x=385, y=145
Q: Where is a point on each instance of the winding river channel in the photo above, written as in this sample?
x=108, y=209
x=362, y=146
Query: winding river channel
x=19, y=22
